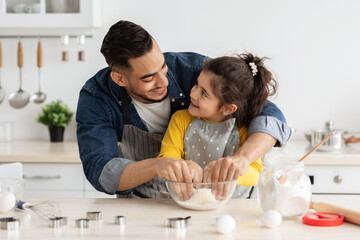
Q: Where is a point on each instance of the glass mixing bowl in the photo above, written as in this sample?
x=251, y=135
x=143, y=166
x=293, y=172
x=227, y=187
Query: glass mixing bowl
x=201, y=196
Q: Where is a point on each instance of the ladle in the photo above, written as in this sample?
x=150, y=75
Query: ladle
x=283, y=178
x=20, y=98
x=39, y=96
x=2, y=90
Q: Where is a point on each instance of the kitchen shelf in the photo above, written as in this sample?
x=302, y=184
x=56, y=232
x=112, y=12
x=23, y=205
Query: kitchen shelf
x=50, y=17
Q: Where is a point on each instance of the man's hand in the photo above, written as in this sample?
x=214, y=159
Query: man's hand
x=181, y=171
x=224, y=169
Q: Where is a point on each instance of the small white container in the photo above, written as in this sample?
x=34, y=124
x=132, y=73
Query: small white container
x=6, y=131
x=284, y=187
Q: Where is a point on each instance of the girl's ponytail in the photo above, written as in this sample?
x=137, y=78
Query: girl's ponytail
x=244, y=81
x=264, y=83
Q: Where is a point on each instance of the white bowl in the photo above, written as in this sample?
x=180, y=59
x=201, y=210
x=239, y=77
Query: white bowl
x=19, y=8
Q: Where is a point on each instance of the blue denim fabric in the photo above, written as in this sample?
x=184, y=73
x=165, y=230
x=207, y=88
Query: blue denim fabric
x=100, y=122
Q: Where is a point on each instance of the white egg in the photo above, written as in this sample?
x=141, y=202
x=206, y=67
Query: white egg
x=271, y=219
x=225, y=224
x=7, y=202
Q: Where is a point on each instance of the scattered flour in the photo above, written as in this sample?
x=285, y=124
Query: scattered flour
x=202, y=199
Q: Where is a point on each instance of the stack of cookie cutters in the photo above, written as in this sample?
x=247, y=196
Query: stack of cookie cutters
x=90, y=216
x=9, y=223
x=178, y=222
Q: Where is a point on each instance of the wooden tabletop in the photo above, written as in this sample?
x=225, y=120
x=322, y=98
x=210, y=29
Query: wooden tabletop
x=145, y=219
x=39, y=152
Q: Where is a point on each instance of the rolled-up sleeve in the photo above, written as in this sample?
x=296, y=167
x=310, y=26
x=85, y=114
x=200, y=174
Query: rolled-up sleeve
x=111, y=174
x=272, y=126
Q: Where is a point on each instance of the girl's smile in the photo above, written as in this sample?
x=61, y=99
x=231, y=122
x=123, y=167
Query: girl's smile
x=203, y=101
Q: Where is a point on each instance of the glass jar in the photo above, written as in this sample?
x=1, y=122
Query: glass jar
x=284, y=187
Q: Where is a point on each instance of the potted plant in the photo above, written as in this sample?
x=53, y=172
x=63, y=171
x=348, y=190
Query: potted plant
x=56, y=115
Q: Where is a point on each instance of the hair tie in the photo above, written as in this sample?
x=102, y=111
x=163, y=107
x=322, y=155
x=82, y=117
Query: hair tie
x=253, y=68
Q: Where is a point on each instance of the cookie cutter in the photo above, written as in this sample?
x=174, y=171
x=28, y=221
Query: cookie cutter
x=9, y=223
x=94, y=216
x=58, y=222
x=82, y=223
x=178, y=222
x=120, y=220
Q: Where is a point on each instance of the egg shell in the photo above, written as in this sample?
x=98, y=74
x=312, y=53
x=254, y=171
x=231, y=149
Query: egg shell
x=271, y=219
x=7, y=201
x=225, y=224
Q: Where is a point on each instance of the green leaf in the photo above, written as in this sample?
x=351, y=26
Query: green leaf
x=55, y=114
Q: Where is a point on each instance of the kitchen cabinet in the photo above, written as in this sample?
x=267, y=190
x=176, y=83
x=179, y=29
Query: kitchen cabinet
x=51, y=170
x=49, y=17
x=53, y=180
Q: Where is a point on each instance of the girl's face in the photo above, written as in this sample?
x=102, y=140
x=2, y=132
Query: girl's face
x=203, y=102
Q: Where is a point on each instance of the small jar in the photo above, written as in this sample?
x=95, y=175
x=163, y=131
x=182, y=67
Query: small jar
x=284, y=187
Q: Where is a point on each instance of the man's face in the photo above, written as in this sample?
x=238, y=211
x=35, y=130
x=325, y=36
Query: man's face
x=147, y=82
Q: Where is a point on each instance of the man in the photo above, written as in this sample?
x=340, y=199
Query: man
x=125, y=108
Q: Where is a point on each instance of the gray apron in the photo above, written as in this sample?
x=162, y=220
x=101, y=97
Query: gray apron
x=205, y=142
x=137, y=145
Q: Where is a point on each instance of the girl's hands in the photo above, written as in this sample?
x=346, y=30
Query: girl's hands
x=177, y=170
x=224, y=169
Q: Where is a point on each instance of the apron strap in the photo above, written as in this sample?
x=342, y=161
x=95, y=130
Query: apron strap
x=125, y=105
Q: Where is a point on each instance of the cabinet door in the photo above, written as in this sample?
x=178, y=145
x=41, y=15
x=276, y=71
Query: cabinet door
x=334, y=179
x=91, y=192
x=53, y=177
x=29, y=194
x=49, y=17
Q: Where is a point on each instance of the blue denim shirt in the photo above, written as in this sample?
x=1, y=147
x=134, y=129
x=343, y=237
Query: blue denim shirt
x=100, y=121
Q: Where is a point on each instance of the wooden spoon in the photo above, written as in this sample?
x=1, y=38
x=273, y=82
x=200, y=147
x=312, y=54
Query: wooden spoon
x=282, y=179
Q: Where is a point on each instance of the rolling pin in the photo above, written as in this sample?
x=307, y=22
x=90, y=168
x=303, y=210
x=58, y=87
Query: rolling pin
x=348, y=214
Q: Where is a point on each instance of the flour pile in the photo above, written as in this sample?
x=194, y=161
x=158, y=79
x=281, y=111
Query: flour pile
x=291, y=201
x=202, y=199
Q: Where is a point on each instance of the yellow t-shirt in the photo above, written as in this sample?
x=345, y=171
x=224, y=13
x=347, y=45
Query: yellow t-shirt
x=172, y=145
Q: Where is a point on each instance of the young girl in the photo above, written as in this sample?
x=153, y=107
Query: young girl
x=230, y=91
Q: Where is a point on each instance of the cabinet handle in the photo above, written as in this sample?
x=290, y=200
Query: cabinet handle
x=57, y=176
x=337, y=179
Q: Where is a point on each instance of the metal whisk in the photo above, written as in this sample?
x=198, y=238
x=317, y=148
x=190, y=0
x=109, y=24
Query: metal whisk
x=45, y=210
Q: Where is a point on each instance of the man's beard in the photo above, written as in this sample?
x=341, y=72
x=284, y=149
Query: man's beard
x=148, y=99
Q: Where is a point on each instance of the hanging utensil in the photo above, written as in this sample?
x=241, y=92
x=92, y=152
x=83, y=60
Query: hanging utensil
x=39, y=97
x=20, y=98
x=2, y=90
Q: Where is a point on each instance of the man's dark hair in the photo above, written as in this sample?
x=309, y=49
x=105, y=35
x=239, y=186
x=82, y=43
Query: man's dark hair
x=125, y=40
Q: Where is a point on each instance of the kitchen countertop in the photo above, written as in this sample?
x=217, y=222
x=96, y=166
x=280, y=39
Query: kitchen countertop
x=39, y=152
x=295, y=149
x=67, y=152
x=145, y=220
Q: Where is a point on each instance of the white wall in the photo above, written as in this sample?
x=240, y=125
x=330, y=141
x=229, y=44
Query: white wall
x=313, y=46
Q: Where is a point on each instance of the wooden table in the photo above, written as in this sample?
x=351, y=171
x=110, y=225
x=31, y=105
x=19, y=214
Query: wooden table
x=145, y=220
x=39, y=152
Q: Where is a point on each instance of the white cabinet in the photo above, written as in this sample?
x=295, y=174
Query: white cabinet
x=334, y=179
x=53, y=180
x=58, y=180
x=49, y=17
x=91, y=192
